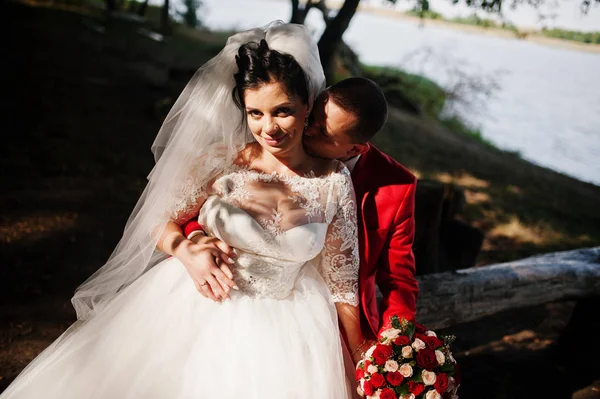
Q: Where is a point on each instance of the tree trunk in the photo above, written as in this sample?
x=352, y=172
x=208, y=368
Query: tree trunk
x=164, y=19
x=111, y=5
x=465, y=295
x=299, y=12
x=143, y=7
x=295, y=18
x=332, y=37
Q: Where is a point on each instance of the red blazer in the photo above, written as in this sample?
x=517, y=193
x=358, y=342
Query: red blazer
x=385, y=196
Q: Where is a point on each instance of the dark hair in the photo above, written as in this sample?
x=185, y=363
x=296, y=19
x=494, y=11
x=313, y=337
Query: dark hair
x=361, y=97
x=258, y=65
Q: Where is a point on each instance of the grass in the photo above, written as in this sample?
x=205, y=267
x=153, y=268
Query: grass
x=475, y=20
x=426, y=14
x=457, y=125
x=488, y=23
x=583, y=37
x=427, y=95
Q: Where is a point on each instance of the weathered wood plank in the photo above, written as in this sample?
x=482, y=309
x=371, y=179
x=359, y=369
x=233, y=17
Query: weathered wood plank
x=464, y=295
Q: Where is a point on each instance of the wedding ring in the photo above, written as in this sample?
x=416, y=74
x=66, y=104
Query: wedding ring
x=203, y=284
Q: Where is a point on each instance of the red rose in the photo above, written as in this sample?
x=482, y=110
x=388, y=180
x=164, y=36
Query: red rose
x=421, y=336
x=419, y=328
x=368, y=388
x=432, y=342
x=387, y=393
x=415, y=388
x=402, y=340
x=360, y=373
x=394, y=378
x=441, y=383
x=426, y=359
x=377, y=380
x=367, y=364
x=382, y=353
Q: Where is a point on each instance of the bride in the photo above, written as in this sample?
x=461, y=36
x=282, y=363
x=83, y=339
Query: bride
x=230, y=150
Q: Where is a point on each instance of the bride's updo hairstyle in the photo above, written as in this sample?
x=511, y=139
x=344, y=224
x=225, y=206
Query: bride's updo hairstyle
x=259, y=65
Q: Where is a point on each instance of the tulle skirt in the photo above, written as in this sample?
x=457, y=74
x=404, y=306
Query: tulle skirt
x=161, y=339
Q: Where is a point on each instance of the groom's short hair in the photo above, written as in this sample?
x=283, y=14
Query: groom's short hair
x=364, y=98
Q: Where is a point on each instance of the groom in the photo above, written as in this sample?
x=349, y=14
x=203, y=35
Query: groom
x=344, y=118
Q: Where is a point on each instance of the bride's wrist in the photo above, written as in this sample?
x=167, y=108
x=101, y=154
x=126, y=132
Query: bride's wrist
x=359, y=348
x=196, y=235
x=183, y=248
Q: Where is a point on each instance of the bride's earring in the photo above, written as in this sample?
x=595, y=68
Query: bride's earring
x=305, y=124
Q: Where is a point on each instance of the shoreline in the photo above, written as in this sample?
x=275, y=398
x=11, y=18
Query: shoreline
x=494, y=32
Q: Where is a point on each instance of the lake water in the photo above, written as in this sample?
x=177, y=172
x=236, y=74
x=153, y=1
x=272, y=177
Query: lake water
x=547, y=105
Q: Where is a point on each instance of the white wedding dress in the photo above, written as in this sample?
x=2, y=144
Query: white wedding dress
x=277, y=337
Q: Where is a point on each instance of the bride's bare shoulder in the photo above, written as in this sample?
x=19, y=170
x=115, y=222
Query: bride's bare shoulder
x=247, y=155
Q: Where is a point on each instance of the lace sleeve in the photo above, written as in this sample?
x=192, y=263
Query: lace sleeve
x=340, y=260
x=186, y=202
x=187, y=197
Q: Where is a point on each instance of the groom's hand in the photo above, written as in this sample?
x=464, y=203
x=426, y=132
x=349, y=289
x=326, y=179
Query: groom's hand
x=207, y=260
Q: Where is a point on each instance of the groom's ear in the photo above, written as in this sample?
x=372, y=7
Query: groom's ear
x=357, y=149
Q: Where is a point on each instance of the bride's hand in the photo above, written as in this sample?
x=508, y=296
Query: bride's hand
x=200, y=259
x=359, y=354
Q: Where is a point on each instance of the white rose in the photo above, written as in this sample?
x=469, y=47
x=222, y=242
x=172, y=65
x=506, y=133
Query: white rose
x=418, y=345
x=375, y=395
x=390, y=334
x=428, y=377
x=406, y=370
x=360, y=392
x=372, y=369
x=408, y=396
x=370, y=351
x=441, y=359
x=433, y=394
x=407, y=352
x=391, y=365
x=431, y=334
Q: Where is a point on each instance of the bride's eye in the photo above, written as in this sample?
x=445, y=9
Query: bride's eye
x=284, y=111
x=254, y=113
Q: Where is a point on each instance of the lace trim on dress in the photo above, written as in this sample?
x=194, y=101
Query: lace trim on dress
x=326, y=199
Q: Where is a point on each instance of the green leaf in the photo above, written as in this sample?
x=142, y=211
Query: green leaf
x=447, y=368
x=417, y=377
x=410, y=331
x=402, y=389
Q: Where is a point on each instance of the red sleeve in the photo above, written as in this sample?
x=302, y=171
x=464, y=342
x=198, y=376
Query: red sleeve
x=396, y=265
x=191, y=226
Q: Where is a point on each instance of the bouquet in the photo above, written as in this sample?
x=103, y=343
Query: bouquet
x=408, y=362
